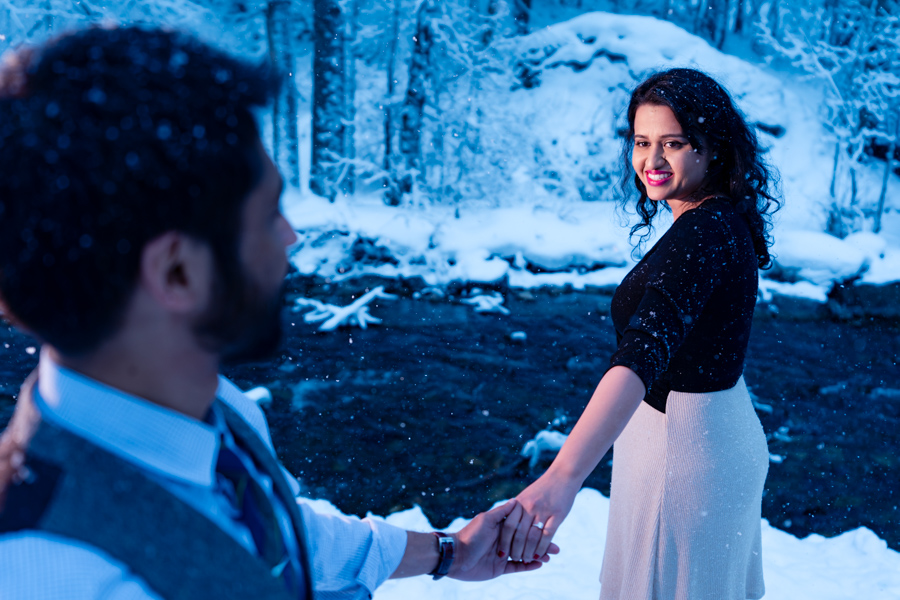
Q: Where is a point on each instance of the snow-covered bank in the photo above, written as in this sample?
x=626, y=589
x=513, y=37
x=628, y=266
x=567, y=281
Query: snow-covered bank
x=577, y=244
x=856, y=564
x=548, y=219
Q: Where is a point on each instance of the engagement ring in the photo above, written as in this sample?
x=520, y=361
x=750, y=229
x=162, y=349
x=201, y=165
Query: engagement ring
x=539, y=524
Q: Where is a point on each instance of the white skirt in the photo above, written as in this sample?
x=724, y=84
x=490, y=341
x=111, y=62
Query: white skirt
x=685, y=503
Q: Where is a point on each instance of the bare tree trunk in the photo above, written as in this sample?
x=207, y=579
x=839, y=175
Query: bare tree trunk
x=834, y=168
x=721, y=15
x=331, y=100
x=712, y=21
x=285, y=139
x=48, y=6
x=411, y=118
x=888, y=163
x=666, y=9
x=829, y=18
x=392, y=193
x=774, y=19
x=488, y=35
x=740, y=15
x=522, y=15
x=351, y=28
x=697, y=23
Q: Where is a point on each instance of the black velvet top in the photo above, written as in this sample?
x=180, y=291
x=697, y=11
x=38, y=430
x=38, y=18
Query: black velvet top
x=683, y=314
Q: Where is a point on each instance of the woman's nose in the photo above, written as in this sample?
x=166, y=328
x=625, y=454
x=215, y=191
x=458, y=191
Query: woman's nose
x=656, y=157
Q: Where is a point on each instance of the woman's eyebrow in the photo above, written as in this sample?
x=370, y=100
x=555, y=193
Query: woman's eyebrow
x=665, y=135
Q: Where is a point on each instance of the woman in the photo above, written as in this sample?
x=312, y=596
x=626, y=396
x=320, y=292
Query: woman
x=690, y=453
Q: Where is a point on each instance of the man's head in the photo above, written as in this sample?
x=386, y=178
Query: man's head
x=110, y=138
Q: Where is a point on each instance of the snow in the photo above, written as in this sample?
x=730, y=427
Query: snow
x=527, y=221
x=885, y=269
x=819, y=258
x=855, y=564
x=799, y=289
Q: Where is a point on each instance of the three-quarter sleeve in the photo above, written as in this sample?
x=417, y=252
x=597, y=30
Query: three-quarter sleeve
x=686, y=270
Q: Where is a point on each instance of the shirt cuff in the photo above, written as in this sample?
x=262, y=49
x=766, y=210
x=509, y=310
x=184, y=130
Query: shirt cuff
x=350, y=557
x=391, y=541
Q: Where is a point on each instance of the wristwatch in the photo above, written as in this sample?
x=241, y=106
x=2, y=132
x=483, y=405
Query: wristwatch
x=446, y=546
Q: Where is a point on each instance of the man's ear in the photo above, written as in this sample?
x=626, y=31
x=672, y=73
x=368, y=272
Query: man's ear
x=177, y=272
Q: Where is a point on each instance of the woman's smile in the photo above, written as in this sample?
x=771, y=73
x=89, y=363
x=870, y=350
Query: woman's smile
x=655, y=178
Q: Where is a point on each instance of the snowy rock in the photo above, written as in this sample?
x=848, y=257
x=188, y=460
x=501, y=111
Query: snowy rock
x=368, y=252
x=332, y=316
x=768, y=289
x=884, y=269
x=429, y=293
x=487, y=303
x=478, y=265
x=544, y=441
x=870, y=244
x=892, y=393
x=865, y=299
x=261, y=395
x=518, y=336
x=587, y=364
x=817, y=257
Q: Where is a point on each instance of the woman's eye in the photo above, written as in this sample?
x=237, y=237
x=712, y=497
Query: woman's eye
x=674, y=145
x=641, y=144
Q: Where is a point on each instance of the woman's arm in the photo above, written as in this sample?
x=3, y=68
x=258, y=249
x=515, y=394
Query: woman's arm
x=549, y=499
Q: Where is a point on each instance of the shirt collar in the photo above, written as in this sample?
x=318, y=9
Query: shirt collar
x=157, y=439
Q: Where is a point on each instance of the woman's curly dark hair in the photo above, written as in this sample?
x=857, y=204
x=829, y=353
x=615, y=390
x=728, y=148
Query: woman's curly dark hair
x=736, y=175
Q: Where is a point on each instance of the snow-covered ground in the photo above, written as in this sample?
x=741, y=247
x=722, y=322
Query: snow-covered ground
x=856, y=564
x=537, y=232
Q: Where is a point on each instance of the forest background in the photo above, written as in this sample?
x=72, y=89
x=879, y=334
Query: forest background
x=394, y=105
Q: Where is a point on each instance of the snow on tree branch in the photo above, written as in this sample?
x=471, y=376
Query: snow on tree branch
x=333, y=316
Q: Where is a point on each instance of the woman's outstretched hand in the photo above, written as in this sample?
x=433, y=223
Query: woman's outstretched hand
x=478, y=546
x=545, y=504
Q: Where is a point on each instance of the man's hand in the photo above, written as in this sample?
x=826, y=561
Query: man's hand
x=478, y=551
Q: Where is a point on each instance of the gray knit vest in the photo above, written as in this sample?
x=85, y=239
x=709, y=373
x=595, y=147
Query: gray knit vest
x=81, y=491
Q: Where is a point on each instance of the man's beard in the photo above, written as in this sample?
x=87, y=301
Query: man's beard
x=242, y=324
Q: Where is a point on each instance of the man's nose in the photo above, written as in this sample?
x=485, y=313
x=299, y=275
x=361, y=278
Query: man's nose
x=287, y=233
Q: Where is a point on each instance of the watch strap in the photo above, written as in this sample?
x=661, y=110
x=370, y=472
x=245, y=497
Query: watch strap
x=446, y=548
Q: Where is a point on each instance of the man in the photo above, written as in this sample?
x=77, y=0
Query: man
x=141, y=241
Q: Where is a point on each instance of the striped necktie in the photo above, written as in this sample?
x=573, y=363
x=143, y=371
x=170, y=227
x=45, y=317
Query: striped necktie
x=253, y=504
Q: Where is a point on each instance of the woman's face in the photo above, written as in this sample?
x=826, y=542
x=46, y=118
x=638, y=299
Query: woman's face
x=663, y=158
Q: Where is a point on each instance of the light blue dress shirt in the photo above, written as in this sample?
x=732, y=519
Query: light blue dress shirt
x=350, y=557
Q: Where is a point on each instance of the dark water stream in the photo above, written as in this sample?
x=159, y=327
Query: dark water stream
x=433, y=406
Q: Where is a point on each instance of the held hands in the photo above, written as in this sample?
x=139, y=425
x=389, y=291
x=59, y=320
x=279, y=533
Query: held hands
x=545, y=504
x=478, y=546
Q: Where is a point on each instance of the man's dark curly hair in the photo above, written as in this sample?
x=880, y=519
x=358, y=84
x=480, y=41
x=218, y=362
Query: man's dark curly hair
x=737, y=173
x=110, y=137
